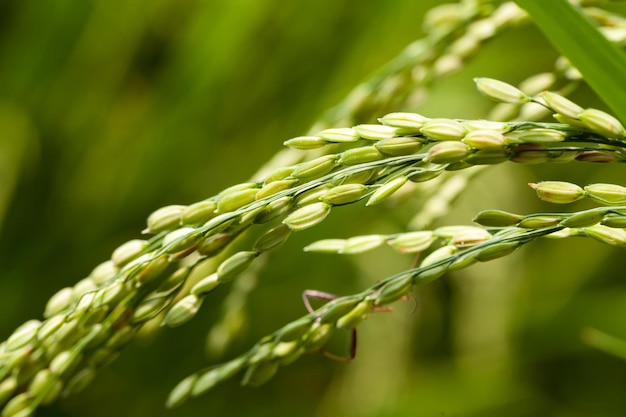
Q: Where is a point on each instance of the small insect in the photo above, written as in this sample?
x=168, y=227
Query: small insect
x=320, y=295
x=307, y=295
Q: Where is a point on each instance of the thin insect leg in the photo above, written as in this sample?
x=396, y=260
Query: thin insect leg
x=320, y=295
x=343, y=359
x=382, y=309
x=353, y=343
x=416, y=260
x=353, y=340
x=414, y=299
x=335, y=357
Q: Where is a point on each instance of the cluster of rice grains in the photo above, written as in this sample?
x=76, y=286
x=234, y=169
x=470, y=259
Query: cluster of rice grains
x=162, y=277
x=85, y=326
x=438, y=145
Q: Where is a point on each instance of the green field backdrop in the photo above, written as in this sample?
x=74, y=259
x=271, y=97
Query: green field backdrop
x=111, y=109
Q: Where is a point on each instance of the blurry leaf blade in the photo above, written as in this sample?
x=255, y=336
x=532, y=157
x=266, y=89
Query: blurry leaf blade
x=604, y=342
x=602, y=64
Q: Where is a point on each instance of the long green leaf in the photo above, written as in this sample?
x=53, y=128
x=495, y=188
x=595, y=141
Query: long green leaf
x=604, y=342
x=601, y=63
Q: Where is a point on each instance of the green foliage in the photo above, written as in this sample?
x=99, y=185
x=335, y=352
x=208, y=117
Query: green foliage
x=110, y=110
x=602, y=63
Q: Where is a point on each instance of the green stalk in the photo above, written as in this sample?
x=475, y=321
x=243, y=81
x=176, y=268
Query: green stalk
x=602, y=64
x=604, y=342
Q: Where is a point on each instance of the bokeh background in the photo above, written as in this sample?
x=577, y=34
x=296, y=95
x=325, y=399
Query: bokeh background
x=111, y=109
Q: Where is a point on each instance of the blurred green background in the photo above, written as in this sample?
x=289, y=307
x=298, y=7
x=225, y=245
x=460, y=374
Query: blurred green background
x=111, y=109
